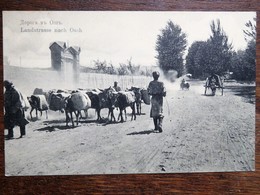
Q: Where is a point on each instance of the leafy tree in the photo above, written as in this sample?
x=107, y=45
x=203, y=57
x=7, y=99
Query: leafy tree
x=211, y=56
x=195, y=60
x=250, y=55
x=241, y=67
x=111, y=69
x=238, y=65
x=133, y=69
x=243, y=61
x=123, y=70
x=170, y=45
x=250, y=52
x=101, y=66
x=250, y=32
x=128, y=69
x=220, y=50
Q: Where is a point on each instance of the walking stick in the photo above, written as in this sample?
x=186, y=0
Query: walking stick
x=169, y=113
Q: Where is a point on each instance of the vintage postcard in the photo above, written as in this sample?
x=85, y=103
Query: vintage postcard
x=104, y=92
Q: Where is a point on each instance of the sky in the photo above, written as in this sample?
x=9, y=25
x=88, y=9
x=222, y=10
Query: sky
x=115, y=37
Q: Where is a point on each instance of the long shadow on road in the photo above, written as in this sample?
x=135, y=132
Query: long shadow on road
x=49, y=127
x=147, y=132
x=55, y=128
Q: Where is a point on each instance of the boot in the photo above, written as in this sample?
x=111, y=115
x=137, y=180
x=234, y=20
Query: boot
x=155, y=123
x=10, y=134
x=160, y=124
x=22, y=131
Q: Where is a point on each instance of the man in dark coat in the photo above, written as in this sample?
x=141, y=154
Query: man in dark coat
x=157, y=90
x=14, y=110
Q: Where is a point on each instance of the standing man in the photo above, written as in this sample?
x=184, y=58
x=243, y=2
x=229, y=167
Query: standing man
x=116, y=87
x=157, y=90
x=14, y=110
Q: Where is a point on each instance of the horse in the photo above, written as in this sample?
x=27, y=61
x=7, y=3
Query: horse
x=105, y=97
x=184, y=85
x=122, y=100
x=76, y=102
x=38, y=103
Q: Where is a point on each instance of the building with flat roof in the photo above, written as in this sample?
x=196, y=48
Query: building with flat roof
x=65, y=59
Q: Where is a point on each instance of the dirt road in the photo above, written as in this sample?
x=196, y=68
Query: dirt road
x=200, y=133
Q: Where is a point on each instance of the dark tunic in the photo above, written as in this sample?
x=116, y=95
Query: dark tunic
x=117, y=88
x=14, y=112
x=157, y=90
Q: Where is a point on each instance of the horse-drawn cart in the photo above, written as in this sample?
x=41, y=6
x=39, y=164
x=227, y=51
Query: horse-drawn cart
x=214, y=82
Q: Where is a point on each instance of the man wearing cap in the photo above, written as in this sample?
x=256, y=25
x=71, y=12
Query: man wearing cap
x=157, y=90
x=14, y=110
x=116, y=87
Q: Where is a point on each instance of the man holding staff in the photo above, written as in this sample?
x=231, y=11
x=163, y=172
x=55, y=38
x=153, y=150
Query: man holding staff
x=157, y=90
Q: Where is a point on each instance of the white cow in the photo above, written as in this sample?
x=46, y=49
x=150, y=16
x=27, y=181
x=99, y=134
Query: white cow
x=74, y=104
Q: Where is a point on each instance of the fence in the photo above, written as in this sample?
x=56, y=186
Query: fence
x=93, y=80
x=27, y=79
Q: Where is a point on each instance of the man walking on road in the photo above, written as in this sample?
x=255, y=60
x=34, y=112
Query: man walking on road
x=14, y=110
x=157, y=90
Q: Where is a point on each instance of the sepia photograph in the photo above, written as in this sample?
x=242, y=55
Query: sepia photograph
x=128, y=92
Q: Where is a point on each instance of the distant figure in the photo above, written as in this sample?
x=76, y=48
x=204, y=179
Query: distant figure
x=116, y=87
x=184, y=85
x=14, y=110
x=157, y=90
x=214, y=79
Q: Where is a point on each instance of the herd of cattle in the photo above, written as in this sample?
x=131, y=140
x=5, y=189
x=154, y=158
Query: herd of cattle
x=73, y=102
